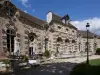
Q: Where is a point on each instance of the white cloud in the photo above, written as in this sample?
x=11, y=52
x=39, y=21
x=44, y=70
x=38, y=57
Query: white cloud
x=94, y=24
x=25, y=11
x=33, y=10
x=25, y=3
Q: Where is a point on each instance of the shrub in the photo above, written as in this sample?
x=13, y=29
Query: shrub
x=98, y=51
x=25, y=58
x=46, y=53
x=5, y=61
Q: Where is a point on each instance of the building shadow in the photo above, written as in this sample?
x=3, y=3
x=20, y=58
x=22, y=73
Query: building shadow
x=84, y=69
x=63, y=68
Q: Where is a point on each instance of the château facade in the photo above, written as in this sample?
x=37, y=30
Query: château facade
x=23, y=34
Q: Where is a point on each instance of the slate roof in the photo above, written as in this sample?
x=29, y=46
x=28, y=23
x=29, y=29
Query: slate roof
x=57, y=18
x=31, y=18
x=84, y=34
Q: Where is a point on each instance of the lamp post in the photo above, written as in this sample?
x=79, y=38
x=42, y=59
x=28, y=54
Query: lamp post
x=87, y=28
x=45, y=27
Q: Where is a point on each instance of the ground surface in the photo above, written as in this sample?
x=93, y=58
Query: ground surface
x=63, y=68
x=59, y=67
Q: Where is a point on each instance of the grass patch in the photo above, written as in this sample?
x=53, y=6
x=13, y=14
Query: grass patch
x=95, y=62
x=84, y=69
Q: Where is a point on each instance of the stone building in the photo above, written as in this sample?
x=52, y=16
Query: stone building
x=19, y=31
x=93, y=39
x=23, y=34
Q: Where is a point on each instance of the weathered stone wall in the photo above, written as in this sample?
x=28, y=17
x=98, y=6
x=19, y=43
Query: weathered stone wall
x=65, y=33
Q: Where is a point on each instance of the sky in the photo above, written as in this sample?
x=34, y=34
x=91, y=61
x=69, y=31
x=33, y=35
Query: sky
x=80, y=11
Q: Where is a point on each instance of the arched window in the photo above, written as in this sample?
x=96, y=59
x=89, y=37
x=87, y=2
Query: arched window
x=67, y=41
x=10, y=39
x=46, y=39
x=32, y=36
x=59, y=39
x=73, y=41
x=66, y=29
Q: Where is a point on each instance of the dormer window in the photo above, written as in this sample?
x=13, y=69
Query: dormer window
x=10, y=8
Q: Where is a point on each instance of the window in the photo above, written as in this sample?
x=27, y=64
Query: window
x=31, y=51
x=59, y=27
x=59, y=39
x=10, y=39
x=32, y=36
x=10, y=11
x=73, y=31
x=66, y=29
x=67, y=41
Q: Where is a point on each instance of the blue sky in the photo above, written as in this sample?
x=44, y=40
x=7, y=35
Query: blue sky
x=77, y=9
x=80, y=11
